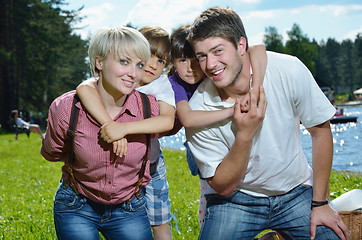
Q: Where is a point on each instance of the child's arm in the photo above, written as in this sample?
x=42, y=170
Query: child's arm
x=258, y=59
x=190, y=118
x=91, y=100
x=112, y=131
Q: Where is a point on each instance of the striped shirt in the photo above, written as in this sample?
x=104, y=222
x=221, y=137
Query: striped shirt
x=101, y=175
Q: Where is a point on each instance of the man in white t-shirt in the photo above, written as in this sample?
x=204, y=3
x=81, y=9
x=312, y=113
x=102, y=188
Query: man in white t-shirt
x=259, y=176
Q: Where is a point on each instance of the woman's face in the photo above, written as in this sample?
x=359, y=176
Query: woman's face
x=120, y=75
x=189, y=70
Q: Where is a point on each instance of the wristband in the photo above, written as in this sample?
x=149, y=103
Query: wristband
x=319, y=203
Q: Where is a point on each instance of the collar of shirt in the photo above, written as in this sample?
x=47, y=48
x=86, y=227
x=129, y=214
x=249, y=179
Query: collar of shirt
x=211, y=96
x=128, y=106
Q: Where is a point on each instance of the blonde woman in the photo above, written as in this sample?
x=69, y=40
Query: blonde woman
x=101, y=196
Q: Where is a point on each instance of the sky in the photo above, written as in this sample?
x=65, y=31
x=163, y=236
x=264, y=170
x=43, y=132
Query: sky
x=318, y=19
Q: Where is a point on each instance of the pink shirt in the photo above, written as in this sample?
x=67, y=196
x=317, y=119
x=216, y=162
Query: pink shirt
x=102, y=176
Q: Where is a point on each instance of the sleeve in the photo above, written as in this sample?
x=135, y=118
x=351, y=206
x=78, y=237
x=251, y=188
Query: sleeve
x=179, y=92
x=206, y=143
x=164, y=91
x=55, y=137
x=155, y=111
x=312, y=106
x=207, y=149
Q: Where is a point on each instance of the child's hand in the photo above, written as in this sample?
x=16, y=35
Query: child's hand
x=244, y=105
x=120, y=147
x=248, y=123
x=112, y=131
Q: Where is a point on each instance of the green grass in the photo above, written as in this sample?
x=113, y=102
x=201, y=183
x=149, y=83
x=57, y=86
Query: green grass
x=28, y=183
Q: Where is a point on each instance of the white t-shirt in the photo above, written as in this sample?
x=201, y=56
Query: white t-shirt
x=20, y=122
x=161, y=89
x=277, y=163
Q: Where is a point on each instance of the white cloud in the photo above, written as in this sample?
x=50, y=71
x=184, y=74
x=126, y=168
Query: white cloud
x=337, y=10
x=94, y=18
x=256, y=39
x=352, y=34
x=165, y=13
x=268, y=14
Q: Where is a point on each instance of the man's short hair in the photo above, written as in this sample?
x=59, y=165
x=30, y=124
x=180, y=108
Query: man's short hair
x=218, y=22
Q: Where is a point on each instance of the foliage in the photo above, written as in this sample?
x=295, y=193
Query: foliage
x=273, y=40
x=333, y=64
x=29, y=182
x=40, y=56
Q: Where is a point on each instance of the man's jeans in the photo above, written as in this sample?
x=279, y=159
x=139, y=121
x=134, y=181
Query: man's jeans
x=77, y=217
x=242, y=216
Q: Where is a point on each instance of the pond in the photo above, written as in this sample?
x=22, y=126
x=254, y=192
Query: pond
x=347, y=141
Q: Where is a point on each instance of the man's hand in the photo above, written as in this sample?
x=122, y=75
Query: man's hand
x=327, y=216
x=250, y=121
x=232, y=168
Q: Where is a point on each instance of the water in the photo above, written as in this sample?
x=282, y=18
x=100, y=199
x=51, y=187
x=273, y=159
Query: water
x=347, y=141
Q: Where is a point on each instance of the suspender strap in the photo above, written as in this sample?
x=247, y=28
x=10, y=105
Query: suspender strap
x=146, y=114
x=71, y=130
x=71, y=133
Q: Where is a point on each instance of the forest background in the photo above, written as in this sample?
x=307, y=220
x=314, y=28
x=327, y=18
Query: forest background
x=41, y=57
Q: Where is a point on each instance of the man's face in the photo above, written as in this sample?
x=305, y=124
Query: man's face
x=220, y=61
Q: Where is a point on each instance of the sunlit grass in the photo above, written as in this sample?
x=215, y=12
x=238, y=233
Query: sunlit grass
x=28, y=183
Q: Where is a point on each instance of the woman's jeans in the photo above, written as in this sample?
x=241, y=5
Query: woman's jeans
x=241, y=216
x=77, y=217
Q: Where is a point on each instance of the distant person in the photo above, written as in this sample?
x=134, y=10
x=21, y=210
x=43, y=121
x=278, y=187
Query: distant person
x=259, y=177
x=21, y=123
x=100, y=191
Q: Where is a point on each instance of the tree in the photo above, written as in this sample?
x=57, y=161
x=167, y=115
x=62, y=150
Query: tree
x=357, y=56
x=347, y=68
x=272, y=40
x=40, y=57
x=300, y=46
x=332, y=51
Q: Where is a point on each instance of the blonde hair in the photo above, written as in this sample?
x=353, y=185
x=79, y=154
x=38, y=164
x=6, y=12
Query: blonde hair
x=121, y=41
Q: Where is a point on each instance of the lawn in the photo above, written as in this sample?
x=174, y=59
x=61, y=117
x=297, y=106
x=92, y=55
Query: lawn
x=28, y=184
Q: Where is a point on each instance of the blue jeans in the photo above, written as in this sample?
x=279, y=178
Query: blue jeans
x=77, y=217
x=241, y=216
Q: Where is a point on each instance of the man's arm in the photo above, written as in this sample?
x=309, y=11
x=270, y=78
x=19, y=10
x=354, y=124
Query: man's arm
x=322, y=157
x=232, y=168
